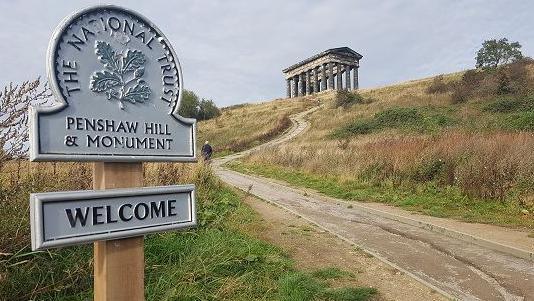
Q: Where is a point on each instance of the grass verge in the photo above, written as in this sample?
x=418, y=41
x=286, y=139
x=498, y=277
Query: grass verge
x=424, y=198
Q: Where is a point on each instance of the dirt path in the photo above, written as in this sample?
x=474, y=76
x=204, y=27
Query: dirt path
x=446, y=264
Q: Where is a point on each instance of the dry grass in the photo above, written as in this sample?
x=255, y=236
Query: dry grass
x=245, y=126
x=487, y=166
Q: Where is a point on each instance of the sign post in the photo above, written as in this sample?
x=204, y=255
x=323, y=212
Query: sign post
x=119, y=265
x=118, y=85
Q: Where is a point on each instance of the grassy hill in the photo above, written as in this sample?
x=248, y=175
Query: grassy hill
x=459, y=145
x=244, y=126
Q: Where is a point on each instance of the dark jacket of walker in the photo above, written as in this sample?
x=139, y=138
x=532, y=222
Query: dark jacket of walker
x=206, y=151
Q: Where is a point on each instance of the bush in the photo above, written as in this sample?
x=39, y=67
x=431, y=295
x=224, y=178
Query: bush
x=437, y=168
x=511, y=79
x=437, y=86
x=398, y=117
x=464, y=89
x=488, y=177
x=415, y=119
x=503, y=106
x=358, y=127
x=347, y=99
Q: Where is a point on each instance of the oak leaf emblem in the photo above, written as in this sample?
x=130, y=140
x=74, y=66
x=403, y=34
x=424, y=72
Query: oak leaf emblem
x=122, y=77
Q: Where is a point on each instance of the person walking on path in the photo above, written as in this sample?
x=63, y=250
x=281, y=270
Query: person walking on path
x=206, y=151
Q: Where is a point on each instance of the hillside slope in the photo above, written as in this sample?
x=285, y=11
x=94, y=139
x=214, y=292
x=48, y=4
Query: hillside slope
x=457, y=146
x=244, y=126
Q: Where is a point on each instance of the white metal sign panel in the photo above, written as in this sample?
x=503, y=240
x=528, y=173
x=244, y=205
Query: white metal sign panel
x=118, y=85
x=75, y=217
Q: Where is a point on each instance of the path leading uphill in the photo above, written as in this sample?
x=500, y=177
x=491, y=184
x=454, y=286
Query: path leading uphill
x=447, y=263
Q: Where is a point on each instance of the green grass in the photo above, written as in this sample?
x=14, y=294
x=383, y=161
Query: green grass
x=300, y=286
x=331, y=273
x=425, y=198
x=413, y=119
x=523, y=121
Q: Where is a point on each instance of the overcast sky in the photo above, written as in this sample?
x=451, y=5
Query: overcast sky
x=233, y=51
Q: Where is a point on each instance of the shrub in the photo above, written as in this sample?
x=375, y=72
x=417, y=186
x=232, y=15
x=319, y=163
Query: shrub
x=347, y=99
x=463, y=89
x=428, y=170
x=437, y=86
x=357, y=127
x=460, y=93
x=504, y=80
x=398, y=117
x=504, y=105
x=488, y=177
x=504, y=84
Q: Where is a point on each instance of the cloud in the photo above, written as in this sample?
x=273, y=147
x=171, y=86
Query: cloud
x=234, y=51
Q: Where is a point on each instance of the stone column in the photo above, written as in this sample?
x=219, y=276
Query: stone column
x=347, y=77
x=339, y=76
x=323, y=78
x=288, y=89
x=303, y=83
x=330, y=75
x=316, y=78
x=295, y=86
x=356, y=83
x=309, y=85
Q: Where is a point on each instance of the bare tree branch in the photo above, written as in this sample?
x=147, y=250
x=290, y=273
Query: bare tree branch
x=14, y=103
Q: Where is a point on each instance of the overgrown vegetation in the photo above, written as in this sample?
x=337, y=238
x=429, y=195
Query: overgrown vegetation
x=194, y=107
x=507, y=79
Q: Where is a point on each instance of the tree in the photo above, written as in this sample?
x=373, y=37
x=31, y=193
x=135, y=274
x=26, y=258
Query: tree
x=189, y=104
x=494, y=53
x=193, y=107
x=14, y=103
x=207, y=109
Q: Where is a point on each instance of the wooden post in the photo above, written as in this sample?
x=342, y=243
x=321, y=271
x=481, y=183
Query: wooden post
x=119, y=265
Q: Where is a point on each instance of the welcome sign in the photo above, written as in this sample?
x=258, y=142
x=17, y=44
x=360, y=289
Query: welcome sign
x=118, y=86
x=74, y=217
